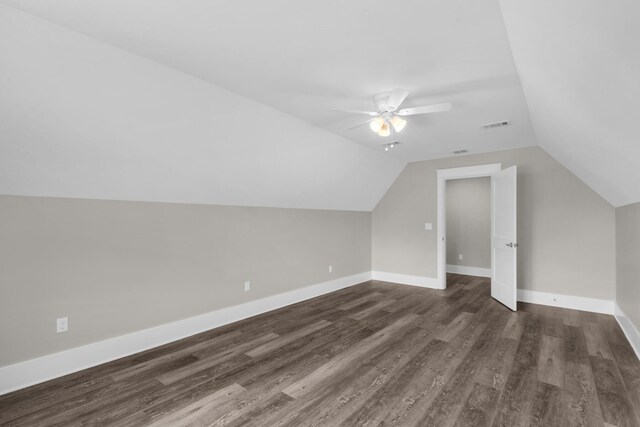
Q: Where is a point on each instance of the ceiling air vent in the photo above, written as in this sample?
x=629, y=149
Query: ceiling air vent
x=460, y=151
x=496, y=125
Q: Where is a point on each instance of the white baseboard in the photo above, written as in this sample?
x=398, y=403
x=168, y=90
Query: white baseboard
x=406, y=279
x=594, y=305
x=34, y=371
x=471, y=271
x=629, y=329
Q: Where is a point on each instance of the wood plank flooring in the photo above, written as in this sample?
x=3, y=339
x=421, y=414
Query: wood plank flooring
x=372, y=354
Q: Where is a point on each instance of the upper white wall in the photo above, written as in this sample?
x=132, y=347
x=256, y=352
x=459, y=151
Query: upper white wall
x=80, y=118
x=579, y=62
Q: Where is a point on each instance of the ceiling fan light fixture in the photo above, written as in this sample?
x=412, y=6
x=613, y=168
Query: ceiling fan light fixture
x=384, y=130
x=398, y=123
x=376, y=124
x=388, y=113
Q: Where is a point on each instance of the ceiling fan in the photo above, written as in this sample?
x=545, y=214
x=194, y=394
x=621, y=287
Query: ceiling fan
x=387, y=114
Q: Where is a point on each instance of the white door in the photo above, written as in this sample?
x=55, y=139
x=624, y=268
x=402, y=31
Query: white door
x=504, y=247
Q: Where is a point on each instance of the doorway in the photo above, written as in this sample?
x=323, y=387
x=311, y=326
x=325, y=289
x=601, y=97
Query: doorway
x=503, y=227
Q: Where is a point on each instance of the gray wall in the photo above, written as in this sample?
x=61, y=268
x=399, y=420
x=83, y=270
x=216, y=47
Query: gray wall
x=117, y=267
x=565, y=230
x=469, y=222
x=628, y=261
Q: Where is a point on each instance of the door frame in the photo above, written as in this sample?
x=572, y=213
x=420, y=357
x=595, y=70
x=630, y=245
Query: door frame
x=443, y=176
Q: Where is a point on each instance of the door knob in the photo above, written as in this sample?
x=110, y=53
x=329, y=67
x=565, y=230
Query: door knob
x=509, y=244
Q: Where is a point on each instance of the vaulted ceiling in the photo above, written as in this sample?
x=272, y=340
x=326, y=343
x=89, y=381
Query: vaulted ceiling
x=579, y=63
x=233, y=102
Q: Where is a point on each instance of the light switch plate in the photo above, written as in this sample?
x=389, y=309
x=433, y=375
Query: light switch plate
x=428, y=226
x=247, y=286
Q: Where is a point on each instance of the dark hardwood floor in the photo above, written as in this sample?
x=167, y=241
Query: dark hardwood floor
x=373, y=354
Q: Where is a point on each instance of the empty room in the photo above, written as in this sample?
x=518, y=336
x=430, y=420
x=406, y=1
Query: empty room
x=319, y=213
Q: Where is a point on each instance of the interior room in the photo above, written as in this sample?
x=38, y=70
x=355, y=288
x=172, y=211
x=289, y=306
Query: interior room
x=330, y=213
x=468, y=226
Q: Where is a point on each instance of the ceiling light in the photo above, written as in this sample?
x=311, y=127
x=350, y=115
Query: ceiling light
x=398, y=123
x=390, y=145
x=384, y=130
x=376, y=124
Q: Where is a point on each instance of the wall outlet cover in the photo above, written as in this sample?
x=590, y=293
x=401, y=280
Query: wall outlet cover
x=62, y=325
x=247, y=286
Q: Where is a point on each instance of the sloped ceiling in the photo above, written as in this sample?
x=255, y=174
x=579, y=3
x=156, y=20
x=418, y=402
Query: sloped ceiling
x=232, y=102
x=579, y=64
x=307, y=58
x=80, y=118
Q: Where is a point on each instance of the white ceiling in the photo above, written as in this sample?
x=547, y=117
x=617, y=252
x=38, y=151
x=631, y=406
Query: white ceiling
x=578, y=62
x=307, y=58
x=80, y=118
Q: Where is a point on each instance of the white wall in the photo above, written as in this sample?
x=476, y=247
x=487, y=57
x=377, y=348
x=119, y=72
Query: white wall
x=119, y=267
x=566, y=231
x=80, y=118
x=469, y=222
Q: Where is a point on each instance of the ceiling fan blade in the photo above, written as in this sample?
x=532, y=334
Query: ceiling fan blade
x=359, y=125
x=368, y=113
x=396, y=98
x=426, y=109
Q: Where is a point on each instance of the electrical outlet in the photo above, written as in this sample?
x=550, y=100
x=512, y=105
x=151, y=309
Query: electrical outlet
x=247, y=286
x=331, y=269
x=460, y=257
x=62, y=325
